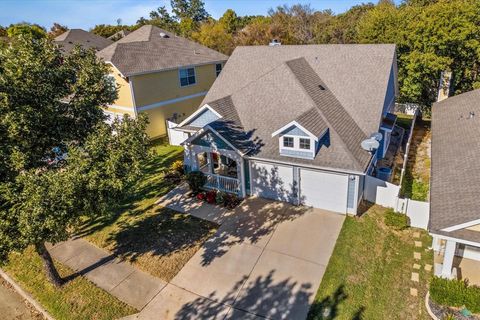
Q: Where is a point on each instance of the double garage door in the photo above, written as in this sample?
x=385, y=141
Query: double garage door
x=318, y=189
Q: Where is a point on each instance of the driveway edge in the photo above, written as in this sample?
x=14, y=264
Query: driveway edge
x=25, y=295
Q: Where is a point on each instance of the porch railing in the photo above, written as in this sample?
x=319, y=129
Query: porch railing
x=222, y=183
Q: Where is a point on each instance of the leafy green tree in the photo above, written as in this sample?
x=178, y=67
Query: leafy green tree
x=24, y=28
x=230, y=21
x=190, y=9
x=3, y=32
x=106, y=30
x=214, y=35
x=56, y=30
x=187, y=27
x=162, y=19
x=49, y=100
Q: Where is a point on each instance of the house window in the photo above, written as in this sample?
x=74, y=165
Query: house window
x=288, y=142
x=304, y=143
x=218, y=69
x=187, y=77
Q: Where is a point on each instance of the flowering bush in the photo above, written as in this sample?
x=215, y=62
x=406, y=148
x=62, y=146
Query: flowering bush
x=211, y=196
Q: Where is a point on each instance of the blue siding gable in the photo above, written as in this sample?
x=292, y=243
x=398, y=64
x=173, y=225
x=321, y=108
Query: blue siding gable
x=210, y=139
x=294, y=131
x=204, y=118
x=390, y=94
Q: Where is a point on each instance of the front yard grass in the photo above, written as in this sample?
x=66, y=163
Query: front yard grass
x=157, y=240
x=77, y=299
x=369, y=272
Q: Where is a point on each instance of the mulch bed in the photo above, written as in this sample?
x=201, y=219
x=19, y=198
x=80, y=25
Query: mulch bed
x=442, y=311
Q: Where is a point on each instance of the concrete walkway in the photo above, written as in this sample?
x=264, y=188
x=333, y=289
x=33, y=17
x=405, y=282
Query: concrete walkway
x=266, y=261
x=118, y=278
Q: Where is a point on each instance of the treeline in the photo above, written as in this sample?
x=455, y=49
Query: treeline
x=431, y=35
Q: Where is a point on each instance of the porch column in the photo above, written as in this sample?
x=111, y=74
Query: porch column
x=210, y=162
x=436, y=244
x=241, y=177
x=448, y=259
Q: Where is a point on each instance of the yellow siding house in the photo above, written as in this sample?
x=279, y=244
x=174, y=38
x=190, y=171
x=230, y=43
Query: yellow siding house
x=160, y=74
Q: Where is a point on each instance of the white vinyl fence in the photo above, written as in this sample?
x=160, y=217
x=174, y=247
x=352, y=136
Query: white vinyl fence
x=175, y=137
x=387, y=194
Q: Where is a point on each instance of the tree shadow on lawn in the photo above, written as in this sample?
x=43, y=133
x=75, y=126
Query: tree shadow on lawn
x=328, y=308
x=150, y=186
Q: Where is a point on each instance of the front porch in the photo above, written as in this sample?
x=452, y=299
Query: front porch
x=454, y=260
x=224, y=169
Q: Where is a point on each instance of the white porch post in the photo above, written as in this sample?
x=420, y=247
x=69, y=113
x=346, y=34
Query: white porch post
x=436, y=244
x=448, y=259
x=210, y=162
x=241, y=178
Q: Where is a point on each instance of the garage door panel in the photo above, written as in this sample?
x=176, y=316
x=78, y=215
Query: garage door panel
x=324, y=190
x=273, y=181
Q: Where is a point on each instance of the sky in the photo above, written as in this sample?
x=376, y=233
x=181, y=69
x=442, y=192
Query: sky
x=86, y=14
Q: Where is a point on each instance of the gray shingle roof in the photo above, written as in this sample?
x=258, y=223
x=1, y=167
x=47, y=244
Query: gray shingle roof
x=144, y=50
x=269, y=88
x=313, y=122
x=87, y=40
x=455, y=170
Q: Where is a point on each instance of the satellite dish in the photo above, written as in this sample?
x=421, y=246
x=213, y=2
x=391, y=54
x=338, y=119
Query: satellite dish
x=377, y=136
x=370, y=144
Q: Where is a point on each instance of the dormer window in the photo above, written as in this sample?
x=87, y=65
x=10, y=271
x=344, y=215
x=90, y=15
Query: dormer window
x=304, y=144
x=288, y=142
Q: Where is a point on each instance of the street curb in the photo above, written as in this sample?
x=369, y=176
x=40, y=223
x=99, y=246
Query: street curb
x=25, y=295
x=427, y=305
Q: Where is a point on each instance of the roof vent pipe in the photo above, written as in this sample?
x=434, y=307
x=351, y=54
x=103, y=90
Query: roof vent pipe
x=275, y=43
x=164, y=35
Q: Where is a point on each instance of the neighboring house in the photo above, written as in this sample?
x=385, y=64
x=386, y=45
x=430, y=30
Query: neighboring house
x=287, y=123
x=69, y=39
x=160, y=74
x=455, y=185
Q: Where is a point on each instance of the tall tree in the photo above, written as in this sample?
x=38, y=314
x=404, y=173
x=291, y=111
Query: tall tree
x=214, y=35
x=191, y=9
x=49, y=100
x=24, y=28
x=162, y=19
x=56, y=30
x=230, y=21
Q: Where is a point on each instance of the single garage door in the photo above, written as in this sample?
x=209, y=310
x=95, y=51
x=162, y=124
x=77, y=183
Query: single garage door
x=272, y=181
x=324, y=190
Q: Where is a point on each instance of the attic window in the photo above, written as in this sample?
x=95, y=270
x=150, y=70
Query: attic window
x=288, y=142
x=304, y=144
x=321, y=87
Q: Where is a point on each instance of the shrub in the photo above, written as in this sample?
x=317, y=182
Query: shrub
x=231, y=201
x=455, y=293
x=177, y=166
x=196, y=180
x=211, y=196
x=220, y=199
x=395, y=220
x=201, y=196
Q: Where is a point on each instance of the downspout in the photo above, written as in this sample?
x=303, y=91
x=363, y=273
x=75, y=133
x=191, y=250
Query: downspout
x=132, y=92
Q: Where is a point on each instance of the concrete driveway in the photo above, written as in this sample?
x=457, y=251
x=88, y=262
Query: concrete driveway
x=266, y=261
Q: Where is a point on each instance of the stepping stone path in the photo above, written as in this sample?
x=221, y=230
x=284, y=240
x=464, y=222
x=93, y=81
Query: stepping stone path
x=428, y=267
x=413, y=292
x=415, y=277
x=416, y=266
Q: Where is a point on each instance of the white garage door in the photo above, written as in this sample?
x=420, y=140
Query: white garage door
x=273, y=181
x=324, y=190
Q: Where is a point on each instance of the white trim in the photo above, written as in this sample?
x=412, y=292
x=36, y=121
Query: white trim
x=176, y=67
x=462, y=226
x=121, y=108
x=200, y=110
x=135, y=110
x=302, y=165
x=295, y=123
x=470, y=243
x=166, y=102
x=207, y=128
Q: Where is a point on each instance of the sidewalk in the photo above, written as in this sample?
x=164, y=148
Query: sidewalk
x=118, y=278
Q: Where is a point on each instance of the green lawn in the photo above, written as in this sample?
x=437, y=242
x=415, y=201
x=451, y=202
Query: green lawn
x=368, y=275
x=78, y=299
x=157, y=240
